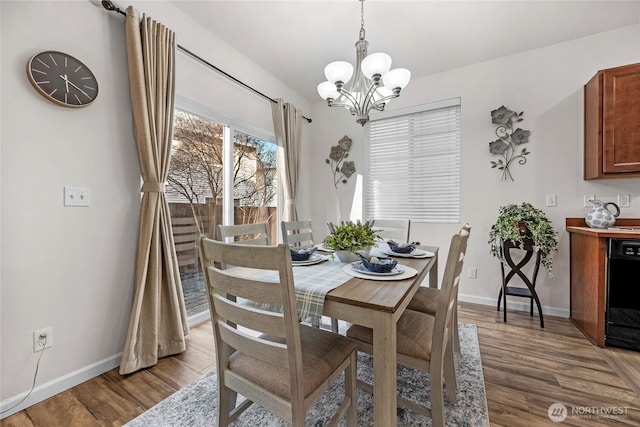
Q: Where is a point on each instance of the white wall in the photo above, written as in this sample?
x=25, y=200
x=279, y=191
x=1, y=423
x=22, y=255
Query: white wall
x=547, y=85
x=72, y=268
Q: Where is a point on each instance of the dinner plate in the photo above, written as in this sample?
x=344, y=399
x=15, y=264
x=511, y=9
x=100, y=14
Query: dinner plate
x=407, y=274
x=416, y=253
x=313, y=259
x=323, y=248
x=360, y=268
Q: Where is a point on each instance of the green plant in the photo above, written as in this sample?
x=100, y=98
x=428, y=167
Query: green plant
x=350, y=236
x=519, y=222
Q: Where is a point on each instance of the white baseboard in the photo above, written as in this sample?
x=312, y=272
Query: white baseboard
x=201, y=317
x=515, y=305
x=58, y=385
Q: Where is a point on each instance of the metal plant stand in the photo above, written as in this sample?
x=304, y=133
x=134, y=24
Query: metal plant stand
x=516, y=269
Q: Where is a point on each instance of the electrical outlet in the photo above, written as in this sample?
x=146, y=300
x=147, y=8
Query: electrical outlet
x=552, y=200
x=587, y=197
x=42, y=338
x=624, y=200
x=473, y=273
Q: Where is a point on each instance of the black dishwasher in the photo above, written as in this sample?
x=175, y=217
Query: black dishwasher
x=623, y=294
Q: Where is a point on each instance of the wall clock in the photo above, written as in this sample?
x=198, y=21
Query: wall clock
x=62, y=79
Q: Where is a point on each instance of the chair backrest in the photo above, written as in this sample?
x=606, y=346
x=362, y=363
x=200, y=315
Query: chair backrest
x=448, y=294
x=247, y=234
x=237, y=325
x=297, y=233
x=395, y=229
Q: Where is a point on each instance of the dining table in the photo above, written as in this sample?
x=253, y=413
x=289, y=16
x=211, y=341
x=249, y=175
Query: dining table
x=378, y=304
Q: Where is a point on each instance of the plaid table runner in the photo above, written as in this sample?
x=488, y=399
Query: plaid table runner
x=312, y=283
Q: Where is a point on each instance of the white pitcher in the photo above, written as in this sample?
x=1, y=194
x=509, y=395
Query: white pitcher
x=600, y=216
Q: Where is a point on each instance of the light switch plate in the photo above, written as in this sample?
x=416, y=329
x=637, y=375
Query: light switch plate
x=77, y=196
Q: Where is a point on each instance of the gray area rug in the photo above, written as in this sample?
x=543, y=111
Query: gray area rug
x=195, y=405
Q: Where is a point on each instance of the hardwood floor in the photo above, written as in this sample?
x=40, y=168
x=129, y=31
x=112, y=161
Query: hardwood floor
x=526, y=369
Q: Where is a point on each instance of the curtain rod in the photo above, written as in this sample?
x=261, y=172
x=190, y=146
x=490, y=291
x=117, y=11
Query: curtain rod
x=108, y=4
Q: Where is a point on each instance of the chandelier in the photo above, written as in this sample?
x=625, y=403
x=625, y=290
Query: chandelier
x=373, y=85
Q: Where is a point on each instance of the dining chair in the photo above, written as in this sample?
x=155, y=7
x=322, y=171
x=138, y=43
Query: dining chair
x=299, y=233
x=424, y=341
x=395, y=229
x=248, y=234
x=267, y=356
x=425, y=301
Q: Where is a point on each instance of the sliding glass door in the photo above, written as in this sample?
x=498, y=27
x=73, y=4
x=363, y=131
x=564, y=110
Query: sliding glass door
x=217, y=175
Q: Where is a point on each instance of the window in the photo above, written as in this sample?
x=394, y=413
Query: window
x=413, y=164
x=216, y=175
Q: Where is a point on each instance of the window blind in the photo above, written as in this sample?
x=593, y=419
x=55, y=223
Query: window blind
x=413, y=166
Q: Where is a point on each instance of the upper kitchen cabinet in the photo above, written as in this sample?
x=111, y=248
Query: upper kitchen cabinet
x=612, y=123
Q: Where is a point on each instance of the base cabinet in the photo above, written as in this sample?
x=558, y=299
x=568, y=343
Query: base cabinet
x=588, y=273
x=588, y=285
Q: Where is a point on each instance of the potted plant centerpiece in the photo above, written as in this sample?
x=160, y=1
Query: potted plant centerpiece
x=527, y=227
x=347, y=238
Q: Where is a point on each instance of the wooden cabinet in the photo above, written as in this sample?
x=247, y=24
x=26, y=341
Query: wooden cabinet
x=612, y=123
x=588, y=273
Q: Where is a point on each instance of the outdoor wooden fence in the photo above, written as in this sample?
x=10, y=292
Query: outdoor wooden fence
x=186, y=230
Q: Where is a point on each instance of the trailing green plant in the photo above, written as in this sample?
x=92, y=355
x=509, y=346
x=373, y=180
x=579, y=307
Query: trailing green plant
x=519, y=222
x=350, y=236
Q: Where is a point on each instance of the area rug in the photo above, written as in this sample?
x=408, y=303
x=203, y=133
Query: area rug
x=195, y=405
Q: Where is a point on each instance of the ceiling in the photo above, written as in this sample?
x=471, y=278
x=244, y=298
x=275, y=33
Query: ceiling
x=294, y=40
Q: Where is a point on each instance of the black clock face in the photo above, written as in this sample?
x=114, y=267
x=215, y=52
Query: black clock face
x=63, y=79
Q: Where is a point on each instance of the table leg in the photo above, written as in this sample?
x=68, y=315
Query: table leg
x=433, y=274
x=384, y=370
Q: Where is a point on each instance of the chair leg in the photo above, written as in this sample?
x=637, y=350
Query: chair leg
x=351, y=390
x=451, y=379
x=223, y=405
x=315, y=322
x=334, y=325
x=437, y=398
x=454, y=329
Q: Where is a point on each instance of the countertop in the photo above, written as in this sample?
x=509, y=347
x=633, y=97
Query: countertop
x=623, y=228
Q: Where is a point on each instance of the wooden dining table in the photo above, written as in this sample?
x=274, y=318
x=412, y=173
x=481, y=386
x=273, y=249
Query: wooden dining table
x=378, y=305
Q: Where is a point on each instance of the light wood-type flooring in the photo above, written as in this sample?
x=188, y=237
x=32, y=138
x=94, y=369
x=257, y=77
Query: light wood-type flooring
x=526, y=369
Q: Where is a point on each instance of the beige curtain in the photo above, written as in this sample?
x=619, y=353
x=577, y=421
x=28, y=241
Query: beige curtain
x=158, y=323
x=287, y=123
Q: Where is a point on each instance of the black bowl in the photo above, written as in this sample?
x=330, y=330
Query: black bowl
x=403, y=248
x=298, y=254
x=384, y=265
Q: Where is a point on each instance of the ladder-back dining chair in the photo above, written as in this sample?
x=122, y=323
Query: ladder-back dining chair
x=425, y=301
x=297, y=233
x=266, y=356
x=300, y=234
x=424, y=341
x=393, y=229
x=247, y=234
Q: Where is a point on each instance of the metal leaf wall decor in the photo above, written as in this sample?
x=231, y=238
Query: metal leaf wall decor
x=509, y=141
x=340, y=168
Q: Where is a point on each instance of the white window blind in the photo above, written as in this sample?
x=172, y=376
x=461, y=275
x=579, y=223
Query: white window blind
x=413, y=166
